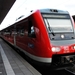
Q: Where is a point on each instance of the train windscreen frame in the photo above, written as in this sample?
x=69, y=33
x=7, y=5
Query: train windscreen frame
x=58, y=23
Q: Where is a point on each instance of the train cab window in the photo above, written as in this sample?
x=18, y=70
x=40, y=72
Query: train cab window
x=31, y=32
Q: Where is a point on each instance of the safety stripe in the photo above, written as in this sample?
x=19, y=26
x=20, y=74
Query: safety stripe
x=37, y=58
x=40, y=59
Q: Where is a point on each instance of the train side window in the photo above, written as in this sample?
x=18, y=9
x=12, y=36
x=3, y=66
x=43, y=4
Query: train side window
x=31, y=32
x=22, y=32
x=7, y=32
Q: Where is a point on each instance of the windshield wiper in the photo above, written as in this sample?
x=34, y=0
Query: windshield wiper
x=50, y=29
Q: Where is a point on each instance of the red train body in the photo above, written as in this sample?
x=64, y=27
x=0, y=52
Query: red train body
x=46, y=36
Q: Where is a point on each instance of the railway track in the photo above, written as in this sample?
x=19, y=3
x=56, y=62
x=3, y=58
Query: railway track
x=65, y=72
x=71, y=72
x=59, y=72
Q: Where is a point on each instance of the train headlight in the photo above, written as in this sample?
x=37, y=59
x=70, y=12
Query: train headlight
x=73, y=47
x=56, y=49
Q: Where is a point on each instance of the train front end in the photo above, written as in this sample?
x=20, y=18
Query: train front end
x=61, y=33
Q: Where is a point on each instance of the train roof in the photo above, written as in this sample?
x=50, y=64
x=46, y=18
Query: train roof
x=44, y=10
x=53, y=11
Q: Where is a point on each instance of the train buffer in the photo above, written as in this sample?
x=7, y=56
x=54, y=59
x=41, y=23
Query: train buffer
x=11, y=63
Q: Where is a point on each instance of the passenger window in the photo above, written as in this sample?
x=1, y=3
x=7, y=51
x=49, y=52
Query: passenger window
x=7, y=32
x=22, y=32
x=31, y=32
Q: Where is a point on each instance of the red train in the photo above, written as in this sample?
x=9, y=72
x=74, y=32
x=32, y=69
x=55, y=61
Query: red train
x=46, y=36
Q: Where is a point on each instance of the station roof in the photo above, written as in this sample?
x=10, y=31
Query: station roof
x=5, y=6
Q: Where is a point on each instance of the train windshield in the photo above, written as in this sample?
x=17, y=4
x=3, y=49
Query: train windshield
x=58, y=23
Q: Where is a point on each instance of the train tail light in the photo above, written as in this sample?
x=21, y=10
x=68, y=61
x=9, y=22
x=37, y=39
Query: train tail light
x=56, y=49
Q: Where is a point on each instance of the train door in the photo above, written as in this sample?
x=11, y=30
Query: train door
x=31, y=38
x=21, y=35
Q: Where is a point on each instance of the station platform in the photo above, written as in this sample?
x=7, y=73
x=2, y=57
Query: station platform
x=11, y=63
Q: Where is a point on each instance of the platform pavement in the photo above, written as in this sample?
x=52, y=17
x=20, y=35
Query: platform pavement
x=2, y=68
x=13, y=63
